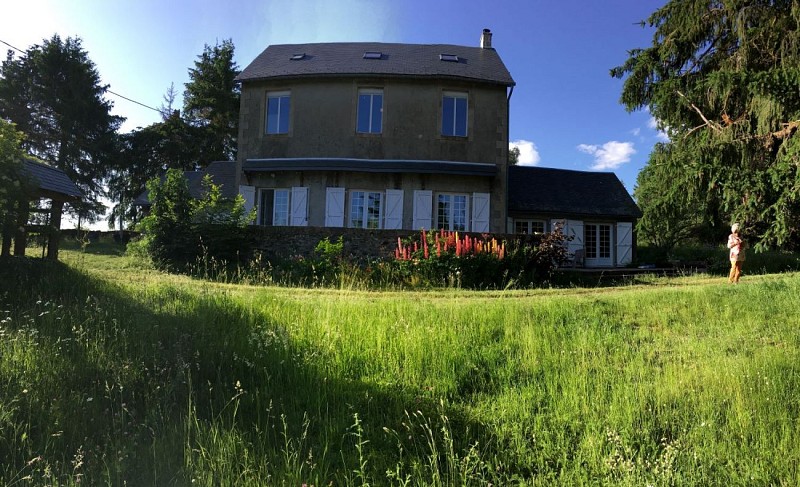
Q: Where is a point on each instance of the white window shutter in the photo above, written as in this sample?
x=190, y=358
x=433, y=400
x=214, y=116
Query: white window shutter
x=299, y=216
x=423, y=209
x=334, y=207
x=249, y=195
x=480, y=212
x=394, y=209
x=575, y=230
x=624, y=243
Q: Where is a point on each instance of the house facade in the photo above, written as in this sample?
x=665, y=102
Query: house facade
x=386, y=136
x=593, y=209
x=376, y=136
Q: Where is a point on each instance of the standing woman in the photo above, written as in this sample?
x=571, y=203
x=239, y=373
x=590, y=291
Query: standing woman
x=736, y=244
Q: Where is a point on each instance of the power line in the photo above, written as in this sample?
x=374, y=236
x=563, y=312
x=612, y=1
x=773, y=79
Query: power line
x=107, y=90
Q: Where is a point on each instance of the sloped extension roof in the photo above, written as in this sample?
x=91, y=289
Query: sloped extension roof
x=223, y=174
x=560, y=192
x=396, y=60
x=52, y=182
x=370, y=165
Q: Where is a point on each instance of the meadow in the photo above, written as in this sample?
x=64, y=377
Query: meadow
x=115, y=374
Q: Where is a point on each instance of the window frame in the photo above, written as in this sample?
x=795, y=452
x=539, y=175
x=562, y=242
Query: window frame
x=282, y=127
x=364, y=209
x=598, y=240
x=371, y=93
x=451, y=212
x=275, y=208
x=454, y=127
x=529, y=223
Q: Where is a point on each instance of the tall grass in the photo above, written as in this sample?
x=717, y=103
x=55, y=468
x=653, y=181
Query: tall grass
x=111, y=373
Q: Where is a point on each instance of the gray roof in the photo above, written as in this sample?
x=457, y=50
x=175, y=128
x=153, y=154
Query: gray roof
x=223, y=174
x=564, y=193
x=370, y=165
x=51, y=180
x=397, y=60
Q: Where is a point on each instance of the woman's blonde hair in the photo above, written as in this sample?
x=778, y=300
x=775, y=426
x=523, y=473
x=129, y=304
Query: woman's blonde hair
x=735, y=227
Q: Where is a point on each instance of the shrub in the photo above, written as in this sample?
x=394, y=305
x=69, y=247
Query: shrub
x=180, y=232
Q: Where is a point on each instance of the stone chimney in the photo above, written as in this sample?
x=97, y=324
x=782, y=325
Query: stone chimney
x=486, y=39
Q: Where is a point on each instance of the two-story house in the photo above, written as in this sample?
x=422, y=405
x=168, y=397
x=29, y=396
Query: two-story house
x=409, y=137
x=376, y=135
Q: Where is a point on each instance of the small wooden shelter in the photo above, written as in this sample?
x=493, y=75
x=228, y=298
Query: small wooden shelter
x=46, y=182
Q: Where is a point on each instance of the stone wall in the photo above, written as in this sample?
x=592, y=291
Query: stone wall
x=285, y=242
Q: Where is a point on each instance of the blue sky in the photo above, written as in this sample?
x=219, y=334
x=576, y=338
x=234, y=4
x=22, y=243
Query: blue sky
x=564, y=110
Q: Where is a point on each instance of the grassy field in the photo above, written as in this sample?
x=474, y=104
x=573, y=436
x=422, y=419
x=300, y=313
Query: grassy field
x=115, y=374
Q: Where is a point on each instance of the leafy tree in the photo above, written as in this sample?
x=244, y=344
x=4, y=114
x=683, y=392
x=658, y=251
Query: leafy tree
x=513, y=155
x=168, y=227
x=180, y=230
x=145, y=154
x=211, y=100
x=53, y=94
x=723, y=77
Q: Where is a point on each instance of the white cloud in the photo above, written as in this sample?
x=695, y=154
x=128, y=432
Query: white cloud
x=610, y=155
x=660, y=134
x=528, y=154
x=636, y=131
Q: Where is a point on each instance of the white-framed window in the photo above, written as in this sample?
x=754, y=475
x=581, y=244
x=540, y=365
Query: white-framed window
x=528, y=226
x=597, y=240
x=273, y=208
x=454, y=113
x=366, y=209
x=278, y=106
x=370, y=111
x=452, y=212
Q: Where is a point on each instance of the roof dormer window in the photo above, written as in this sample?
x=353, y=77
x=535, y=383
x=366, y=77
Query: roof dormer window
x=450, y=58
x=298, y=57
x=373, y=55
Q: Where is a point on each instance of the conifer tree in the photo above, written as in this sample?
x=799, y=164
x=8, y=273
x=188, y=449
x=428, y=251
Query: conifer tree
x=723, y=79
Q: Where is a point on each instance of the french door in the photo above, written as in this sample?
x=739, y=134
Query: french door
x=597, y=242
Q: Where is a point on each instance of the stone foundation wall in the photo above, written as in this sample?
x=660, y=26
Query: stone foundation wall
x=285, y=242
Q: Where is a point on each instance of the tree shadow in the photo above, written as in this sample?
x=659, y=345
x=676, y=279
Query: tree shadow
x=134, y=388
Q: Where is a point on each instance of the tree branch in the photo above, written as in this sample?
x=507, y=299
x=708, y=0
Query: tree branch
x=708, y=122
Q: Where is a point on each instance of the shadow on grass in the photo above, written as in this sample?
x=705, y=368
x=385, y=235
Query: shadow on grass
x=96, y=383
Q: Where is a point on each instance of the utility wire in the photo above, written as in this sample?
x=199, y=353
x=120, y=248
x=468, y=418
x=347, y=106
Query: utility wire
x=107, y=90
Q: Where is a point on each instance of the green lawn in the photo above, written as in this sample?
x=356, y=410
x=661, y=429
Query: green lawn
x=111, y=373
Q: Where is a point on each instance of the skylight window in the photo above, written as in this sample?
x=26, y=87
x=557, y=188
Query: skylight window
x=451, y=58
x=373, y=55
x=298, y=57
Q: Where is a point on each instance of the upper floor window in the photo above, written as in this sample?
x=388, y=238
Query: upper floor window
x=278, y=112
x=370, y=111
x=366, y=209
x=451, y=212
x=454, y=114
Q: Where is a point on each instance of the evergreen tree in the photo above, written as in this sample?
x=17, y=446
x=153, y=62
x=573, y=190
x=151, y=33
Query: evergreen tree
x=723, y=78
x=211, y=100
x=53, y=94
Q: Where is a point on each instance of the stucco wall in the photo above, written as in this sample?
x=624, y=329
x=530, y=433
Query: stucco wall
x=317, y=182
x=323, y=121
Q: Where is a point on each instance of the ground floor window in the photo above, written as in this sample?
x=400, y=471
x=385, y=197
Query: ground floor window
x=274, y=207
x=452, y=212
x=528, y=227
x=366, y=209
x=597, y=240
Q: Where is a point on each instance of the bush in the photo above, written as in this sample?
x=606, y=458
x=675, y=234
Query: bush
x=181, y=233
